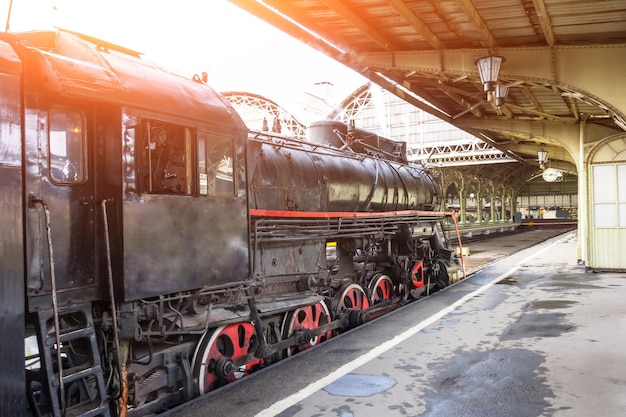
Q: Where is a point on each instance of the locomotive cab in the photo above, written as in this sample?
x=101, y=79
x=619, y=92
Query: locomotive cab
x=183, y=199
x=134, y=190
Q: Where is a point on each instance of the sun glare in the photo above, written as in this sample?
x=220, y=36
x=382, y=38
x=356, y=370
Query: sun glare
x=237, y=50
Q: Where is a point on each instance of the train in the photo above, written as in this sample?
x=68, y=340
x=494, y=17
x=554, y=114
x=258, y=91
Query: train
x=155, y=248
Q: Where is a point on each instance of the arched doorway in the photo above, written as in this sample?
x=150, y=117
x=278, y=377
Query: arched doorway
x=608, y=205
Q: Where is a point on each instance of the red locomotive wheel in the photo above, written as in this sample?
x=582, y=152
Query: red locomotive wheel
x=212, y=360
x=308, y=317
x=381, y=288
x=353, y=297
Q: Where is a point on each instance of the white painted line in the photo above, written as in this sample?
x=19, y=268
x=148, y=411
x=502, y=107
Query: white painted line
x=282, y=405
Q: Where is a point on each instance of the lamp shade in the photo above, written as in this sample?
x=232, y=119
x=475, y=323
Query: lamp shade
x=542, y=156
x=501, y=92
x=488, y=69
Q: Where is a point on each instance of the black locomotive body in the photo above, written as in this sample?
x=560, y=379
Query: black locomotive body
x=153, y=248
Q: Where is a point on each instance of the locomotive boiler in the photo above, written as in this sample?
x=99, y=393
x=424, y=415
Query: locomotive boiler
x=153, y=248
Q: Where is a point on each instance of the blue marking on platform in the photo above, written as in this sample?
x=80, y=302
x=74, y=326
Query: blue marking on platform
x=357, y=385
x=429, y=330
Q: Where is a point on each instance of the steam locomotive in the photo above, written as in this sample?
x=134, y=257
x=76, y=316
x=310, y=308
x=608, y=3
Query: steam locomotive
x=153, y=248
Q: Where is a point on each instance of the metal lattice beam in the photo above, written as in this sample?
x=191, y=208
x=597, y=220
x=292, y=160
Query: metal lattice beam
x=254, y=108
x=466, y=152
x=458, y=154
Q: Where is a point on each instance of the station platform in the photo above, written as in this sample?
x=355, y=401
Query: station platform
x=485, y=252
x=530, y=334
x=471, y=230
x=488, y=229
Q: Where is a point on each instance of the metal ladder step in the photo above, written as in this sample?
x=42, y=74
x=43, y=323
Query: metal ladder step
x=83, y=411
x=79, y=372
x=71, y=335
x=90, y=371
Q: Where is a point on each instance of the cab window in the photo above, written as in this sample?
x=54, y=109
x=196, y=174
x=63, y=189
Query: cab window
x=66, y=143
x=215, y=165
x=166, y=158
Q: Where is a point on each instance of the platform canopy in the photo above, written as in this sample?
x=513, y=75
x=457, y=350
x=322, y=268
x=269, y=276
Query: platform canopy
x=551, y=71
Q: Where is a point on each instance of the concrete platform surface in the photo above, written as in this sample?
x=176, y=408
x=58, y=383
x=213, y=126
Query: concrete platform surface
x=533, y=334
